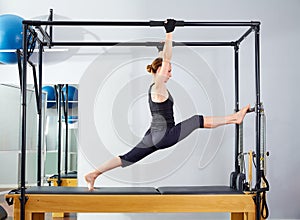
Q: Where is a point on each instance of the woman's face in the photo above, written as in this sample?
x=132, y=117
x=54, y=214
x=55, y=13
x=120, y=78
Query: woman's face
x=168, y=74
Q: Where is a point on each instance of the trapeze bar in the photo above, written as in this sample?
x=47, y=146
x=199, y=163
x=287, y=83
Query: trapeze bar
x=137, y=23
x=147, y=44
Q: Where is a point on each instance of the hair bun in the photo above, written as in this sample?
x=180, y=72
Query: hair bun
x=149, y=68
x=153, y=67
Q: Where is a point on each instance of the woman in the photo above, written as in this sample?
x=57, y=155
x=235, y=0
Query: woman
x=163, y=132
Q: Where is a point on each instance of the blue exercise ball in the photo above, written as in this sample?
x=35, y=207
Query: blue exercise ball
x=51, y=100
x=72, y=95
x=10, y=37
x=72, y=119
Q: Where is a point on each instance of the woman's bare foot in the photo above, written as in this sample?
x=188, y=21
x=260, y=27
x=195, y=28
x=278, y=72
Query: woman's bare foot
x=108, y=165
x=241, y=114
x=90, y=179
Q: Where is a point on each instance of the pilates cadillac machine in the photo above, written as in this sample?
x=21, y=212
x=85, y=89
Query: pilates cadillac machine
x=34, y=202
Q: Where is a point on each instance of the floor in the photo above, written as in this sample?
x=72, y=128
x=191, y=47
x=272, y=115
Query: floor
x=9, y=209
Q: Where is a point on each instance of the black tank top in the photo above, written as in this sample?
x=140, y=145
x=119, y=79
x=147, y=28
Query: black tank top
x=162, y=112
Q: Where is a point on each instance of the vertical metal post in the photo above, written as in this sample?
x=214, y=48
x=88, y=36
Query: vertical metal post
x=51, y=27
x=237, y=127
x=258, y=120
x=40, y=122
x=59, y=137
x=67, y=129
x=23, y=125
x=19, y=66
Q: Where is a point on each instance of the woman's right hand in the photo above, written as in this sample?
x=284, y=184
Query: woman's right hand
x=170, y=25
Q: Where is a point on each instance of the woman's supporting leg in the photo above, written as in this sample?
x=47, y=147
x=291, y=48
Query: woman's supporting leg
x=108, y=165
x=137, y=153
x=216, y=121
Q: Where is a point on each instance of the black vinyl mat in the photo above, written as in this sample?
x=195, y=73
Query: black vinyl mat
x=196, y=190
x=98, y=190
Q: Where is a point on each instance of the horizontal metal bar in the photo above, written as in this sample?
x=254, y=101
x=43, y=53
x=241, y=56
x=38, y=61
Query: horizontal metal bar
x=85, y=23
x=137, y=23
x=147, y=44
x=35, y=50
x=222, y=24
x=204, y=44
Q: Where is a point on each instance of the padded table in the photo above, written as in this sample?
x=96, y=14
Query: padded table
x=134, y=200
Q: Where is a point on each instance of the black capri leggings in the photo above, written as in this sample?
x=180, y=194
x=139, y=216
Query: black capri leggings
x=156, y=139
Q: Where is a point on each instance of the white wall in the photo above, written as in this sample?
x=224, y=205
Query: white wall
x=279, y=69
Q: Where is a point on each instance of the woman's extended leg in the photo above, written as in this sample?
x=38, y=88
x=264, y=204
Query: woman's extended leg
x=186, y=127
x=216, y=121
